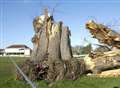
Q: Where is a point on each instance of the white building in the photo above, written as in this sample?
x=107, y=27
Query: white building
x=17, y=50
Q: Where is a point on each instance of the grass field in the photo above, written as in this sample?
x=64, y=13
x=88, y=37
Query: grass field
x=7, y=79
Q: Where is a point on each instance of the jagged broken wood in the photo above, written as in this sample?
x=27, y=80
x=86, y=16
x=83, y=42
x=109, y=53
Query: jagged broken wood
x=103, y=59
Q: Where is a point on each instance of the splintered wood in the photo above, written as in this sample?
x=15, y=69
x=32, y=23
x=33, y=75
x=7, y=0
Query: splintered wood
x=102, y=62
x=52, y=57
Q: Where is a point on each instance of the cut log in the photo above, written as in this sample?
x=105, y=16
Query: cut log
x=110, y=73
x=103, y=62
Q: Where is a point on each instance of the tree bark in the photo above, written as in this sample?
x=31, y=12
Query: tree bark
x=54, y=42
x=66, y=51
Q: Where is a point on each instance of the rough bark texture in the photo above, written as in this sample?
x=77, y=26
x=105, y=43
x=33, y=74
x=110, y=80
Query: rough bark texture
x=51, y=41
x=54, y=42
x=41, y=51
x=66, y=52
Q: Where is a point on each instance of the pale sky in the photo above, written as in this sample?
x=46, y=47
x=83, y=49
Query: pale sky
x=16, y=18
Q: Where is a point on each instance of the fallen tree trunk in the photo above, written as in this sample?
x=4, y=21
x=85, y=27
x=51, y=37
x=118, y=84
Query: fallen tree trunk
x=109, y=73
x=105, y=61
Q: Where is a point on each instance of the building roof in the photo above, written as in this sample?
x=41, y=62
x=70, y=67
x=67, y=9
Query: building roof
x=1, y=50
x=17, y=46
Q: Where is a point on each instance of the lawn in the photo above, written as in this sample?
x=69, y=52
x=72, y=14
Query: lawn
x=7, y=79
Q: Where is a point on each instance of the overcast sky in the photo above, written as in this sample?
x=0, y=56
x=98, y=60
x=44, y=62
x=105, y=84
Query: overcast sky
x=16, y=17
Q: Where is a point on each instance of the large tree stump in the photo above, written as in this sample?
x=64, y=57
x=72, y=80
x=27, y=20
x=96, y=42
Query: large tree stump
x=52, y=54
x=55, y=47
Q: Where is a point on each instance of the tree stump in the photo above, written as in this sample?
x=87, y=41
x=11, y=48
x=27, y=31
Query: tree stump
x=52, y=54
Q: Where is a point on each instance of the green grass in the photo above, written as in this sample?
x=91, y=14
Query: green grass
x=7, y=79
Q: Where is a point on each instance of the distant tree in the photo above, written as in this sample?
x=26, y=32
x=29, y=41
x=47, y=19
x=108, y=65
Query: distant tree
x=76, y=50
x=102, y=48
x=86, y=50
